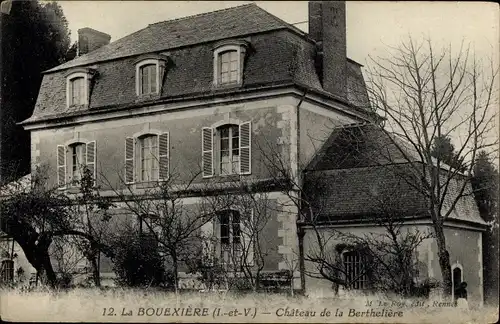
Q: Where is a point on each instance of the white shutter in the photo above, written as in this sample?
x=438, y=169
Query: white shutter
x=248, y=237
x=91, y=158
x=245, y=148
x=129, y=160
x=164, y=155
x=207, y=140
x=207, y=236
x=61, y=166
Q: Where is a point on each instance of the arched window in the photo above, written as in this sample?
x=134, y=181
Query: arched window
x=148, y=79
x=229, y=59
x=148, y=151
x=149, y=72
x=78, y=86
x=226, y=149
x=355, y=269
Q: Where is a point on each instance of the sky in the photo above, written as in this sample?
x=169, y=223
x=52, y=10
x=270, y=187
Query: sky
x=371, y=26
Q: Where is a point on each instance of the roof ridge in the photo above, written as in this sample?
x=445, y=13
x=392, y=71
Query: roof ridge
x=203, y=14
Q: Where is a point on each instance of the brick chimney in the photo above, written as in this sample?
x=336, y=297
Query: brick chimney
x=90, y=39
x=327, y=26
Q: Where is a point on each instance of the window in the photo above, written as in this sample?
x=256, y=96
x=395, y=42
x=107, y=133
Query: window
x=229, y=69
x=78, y=86
x=78, y=157
x=229, y=236
x=7, y=271
x=148, y=79
x=355, y=270
x=229, y=152
x=149, y=73
x=232, y=146
x=228, y=63
x=147, y=158
x=72, y=159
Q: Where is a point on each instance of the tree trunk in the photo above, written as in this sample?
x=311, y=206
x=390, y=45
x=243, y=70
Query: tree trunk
x=176, y=268
x=444, y=261
x=96, y=275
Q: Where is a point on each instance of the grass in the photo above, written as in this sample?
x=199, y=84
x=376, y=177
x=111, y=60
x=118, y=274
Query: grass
x=90, y=304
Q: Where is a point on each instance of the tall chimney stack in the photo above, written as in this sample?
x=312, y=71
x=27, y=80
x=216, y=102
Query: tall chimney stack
x=90, y=39
x=327, y=26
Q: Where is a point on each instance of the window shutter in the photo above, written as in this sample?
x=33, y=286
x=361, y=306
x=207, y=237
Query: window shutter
x=207, y=152
x=208, y=251
x=91, y=158
x=129, y=160
x=61, y=166
x=245, y=148
x=247, y=236
x=164, y=155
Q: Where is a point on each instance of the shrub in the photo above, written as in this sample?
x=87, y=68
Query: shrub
x=137, y=261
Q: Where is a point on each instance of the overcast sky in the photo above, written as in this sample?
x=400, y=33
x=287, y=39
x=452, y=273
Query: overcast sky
x=371, y=26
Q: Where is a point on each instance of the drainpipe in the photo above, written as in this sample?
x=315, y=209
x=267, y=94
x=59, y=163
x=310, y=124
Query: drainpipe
x=300, y=229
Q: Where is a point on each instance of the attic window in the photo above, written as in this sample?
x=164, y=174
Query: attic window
x=228, y=63
x=149, y=75
x=78, y=87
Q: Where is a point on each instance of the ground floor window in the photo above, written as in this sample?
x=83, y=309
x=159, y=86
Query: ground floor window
x=7, y=271
x=355, y=270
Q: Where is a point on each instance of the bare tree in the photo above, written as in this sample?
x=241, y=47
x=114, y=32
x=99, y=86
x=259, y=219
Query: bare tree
x=427, y=94
x=164, y=218
x=391, y=249
x=33, y=214
x=91, y=211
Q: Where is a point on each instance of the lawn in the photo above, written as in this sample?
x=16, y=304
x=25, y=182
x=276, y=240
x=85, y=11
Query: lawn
x=127, y=305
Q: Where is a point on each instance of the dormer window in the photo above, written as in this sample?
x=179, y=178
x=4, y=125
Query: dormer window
x=77, y=90
x=228, y=63
x=149, y=74
x=78, y=87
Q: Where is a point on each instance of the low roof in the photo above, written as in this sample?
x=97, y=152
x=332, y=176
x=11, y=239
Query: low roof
x=361, y=173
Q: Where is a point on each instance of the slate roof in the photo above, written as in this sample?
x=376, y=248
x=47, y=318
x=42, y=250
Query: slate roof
x=360, y=173
x=185, y=31
x=279, y=55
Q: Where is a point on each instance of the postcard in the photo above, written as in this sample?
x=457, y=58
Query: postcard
x=249, y=162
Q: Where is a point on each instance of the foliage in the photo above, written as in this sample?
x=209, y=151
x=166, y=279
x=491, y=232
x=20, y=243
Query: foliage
x=485, y=185
x=137, y=261
x=444, y=150
x=38, y=32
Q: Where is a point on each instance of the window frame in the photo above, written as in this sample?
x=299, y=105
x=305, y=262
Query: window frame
x=160, y=63
x=240, y=47
x=141, y=158
x=231, y=246
x=211, y=152
x=133, y=163
x=218, y=149
x=362, y=282
x=87, y=75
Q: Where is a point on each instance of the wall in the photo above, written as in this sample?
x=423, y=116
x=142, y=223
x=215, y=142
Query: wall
x=273, y=130
x=316, y=125
x=321, y=287
x=465, y=248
